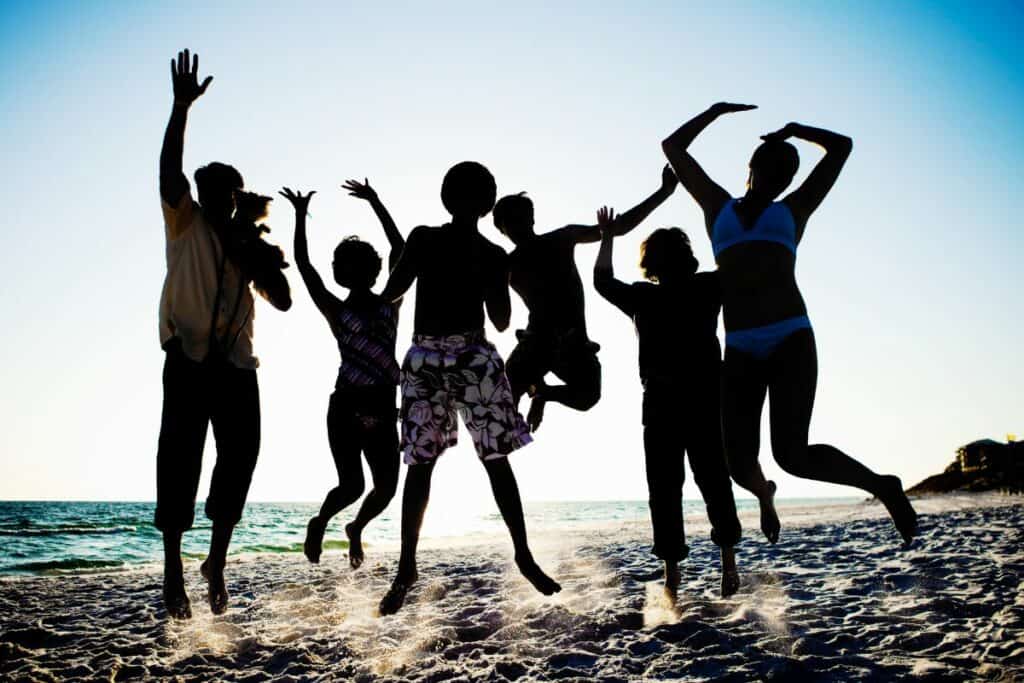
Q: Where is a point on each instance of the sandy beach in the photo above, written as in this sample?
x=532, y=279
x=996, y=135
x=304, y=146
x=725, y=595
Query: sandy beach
x=836, y=599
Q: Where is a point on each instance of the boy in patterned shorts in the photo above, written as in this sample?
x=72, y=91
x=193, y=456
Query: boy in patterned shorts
x=451, y=367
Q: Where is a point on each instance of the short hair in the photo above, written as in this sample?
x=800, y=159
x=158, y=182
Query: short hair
x=665, y=250
x=218, y=176
x=468, y=187
x=777, y=158
x=358, y=259
x=512, y=207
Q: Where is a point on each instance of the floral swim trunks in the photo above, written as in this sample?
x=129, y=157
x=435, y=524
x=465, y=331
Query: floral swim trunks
x=457, y=373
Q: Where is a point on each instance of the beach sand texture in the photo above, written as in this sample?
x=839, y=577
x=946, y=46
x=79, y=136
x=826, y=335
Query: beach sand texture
x=836, y=599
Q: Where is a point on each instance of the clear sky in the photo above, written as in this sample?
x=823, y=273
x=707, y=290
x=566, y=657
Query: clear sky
x=912, y=268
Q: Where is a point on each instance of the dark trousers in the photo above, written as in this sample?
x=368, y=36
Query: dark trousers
x=678, y=420
x=195, y=396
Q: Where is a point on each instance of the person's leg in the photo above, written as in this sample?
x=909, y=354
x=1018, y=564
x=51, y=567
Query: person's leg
x=183, y=425
x=344, y=434
x=707, y=462
x=236, y=429
x=743, y=392
x=380, y=446
x=414, y=505
x=506, y=495
x=526, y=368
x=792, y=385
x=663, y=459
x=580, y=369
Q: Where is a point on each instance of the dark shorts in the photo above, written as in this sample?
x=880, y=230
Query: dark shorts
x=464, y=375
x=571, y=357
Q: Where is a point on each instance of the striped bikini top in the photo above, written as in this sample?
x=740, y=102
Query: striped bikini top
x=775, y=224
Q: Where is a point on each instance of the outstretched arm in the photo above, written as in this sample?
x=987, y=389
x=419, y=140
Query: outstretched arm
x=618, y=293
x=364, y=191
x=806, y=198
x=703, y=189
x=632, y=218
x=185, y=82
x=322, y=297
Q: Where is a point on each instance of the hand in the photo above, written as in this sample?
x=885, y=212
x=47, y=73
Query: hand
x=668, y=179
x=720, y=108
x=300, y=202
x=787, y=131
x=606, y=222
x=185, y=80
x=360, y=189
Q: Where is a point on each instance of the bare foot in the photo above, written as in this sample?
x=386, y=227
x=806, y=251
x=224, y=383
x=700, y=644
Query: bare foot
x=730, y=577
x=536, y=414
x=900, y=509
x=541, y=581
x=176, y=599
x=395, y=597
x=770, y=525
x=355, y=546
x=313, y=545
x=217, y=590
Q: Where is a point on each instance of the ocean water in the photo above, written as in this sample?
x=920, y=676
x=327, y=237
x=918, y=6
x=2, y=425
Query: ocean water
x=74, y=537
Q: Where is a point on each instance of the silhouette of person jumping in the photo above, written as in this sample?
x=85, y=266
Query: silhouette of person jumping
x=206, y=328
x=676, y=321
x=452, y=368
x=542, y=270
x=361, y=415
x=769, y=344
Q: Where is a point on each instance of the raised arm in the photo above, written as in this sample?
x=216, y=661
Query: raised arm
x=185, y=82
x=632, y=218
x=364, y=191
x=617, y=293
x=806, y=198
x=322, y=297
x=703, y=189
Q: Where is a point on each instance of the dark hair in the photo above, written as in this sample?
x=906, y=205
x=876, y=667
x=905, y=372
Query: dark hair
x=512, y=207
x=358, y=260
x=777, y=158
x=665, y=250
x=218, y=177
x=468, y=188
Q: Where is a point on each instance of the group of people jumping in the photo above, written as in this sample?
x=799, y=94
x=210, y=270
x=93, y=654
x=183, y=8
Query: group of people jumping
x=694, y=402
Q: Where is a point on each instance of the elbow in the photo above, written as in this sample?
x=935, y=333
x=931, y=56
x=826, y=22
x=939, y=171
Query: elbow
x=844, y=145
x=502, y=320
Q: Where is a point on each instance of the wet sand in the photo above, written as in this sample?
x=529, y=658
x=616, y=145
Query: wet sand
x=837, y=598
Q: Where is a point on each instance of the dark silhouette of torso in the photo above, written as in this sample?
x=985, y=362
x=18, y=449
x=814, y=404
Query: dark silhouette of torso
x=543, y=273
x=456, y=267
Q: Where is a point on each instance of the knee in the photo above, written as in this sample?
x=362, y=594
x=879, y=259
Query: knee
x=590, y=398
x=793, y=461
x=387, y=487
x=352, y=486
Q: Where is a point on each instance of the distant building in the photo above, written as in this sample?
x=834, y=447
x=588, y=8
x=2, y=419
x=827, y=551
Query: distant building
x=986, y=454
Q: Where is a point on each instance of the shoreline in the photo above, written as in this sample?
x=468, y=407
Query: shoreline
x=839, y=599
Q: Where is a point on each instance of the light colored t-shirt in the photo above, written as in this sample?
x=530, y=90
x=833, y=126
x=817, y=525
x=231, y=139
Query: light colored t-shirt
x=194, y=255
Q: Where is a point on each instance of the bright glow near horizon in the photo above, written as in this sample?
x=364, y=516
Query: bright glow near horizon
x=911, y=268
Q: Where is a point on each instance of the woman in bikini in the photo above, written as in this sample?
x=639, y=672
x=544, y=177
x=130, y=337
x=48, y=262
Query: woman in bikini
x=769, y=344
